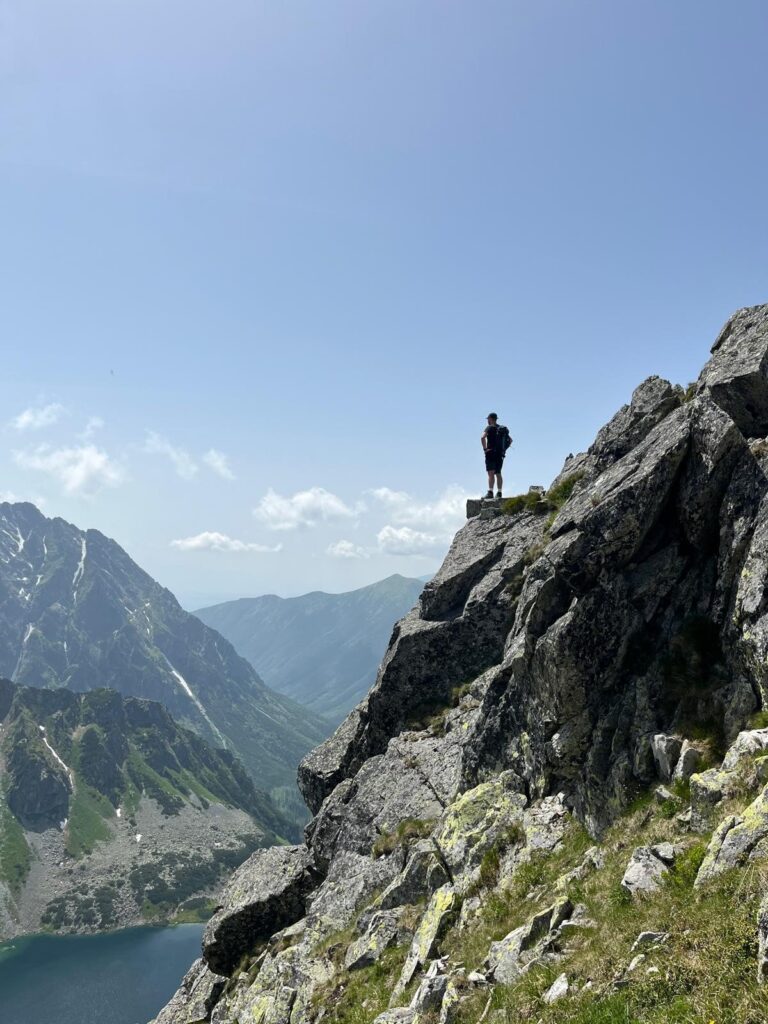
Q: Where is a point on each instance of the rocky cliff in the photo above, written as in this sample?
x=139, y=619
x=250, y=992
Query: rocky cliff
x=551, y=804
x=111, y=813
x=77, y=612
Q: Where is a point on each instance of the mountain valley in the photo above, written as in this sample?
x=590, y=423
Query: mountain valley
x=112, y=814
x=77, y=613
x=321, y=650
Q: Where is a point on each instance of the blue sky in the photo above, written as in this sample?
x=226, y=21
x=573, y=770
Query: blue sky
x=270, y=264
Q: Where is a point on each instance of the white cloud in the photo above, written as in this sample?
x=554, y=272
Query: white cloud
x=219, y=463
x=183, y=463
x=81, y=470
x=402, y=540
x=94, y=424
x=346, y=549
x=38, y=417
x=305, y=508
x=210, y=540
x=447, y=513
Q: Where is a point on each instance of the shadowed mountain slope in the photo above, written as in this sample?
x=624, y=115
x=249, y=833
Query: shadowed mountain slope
x=77, y=612
x=111, y=812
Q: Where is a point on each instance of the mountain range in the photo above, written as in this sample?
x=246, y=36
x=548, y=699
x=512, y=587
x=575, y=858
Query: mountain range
x=111, y=813
x=320, y=649
x=77, y=612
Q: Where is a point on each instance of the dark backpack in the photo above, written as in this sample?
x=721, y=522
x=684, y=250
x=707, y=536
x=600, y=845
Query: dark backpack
x=504, y=439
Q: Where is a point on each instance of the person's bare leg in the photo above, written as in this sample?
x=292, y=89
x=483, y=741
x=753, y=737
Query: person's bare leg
x=499, y=483
x=490, y=481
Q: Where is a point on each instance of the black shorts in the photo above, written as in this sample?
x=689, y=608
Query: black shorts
x=494, y=461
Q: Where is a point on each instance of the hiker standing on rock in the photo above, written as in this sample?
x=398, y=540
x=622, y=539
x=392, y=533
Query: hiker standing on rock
x=495, y=440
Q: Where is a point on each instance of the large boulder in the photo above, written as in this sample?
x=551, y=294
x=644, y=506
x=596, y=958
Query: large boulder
x=738, y=839
x=522, y=948
x=736, y=376
x=196, y=997
x=481, y=818
x=266, y=893
x=652, y=401
x=647, y=866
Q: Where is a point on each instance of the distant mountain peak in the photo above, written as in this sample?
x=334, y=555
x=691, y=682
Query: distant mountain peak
x=77, y=612
x=318, y=648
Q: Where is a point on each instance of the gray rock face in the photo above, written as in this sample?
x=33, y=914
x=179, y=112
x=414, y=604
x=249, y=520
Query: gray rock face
x=708, y=788
x=737, y=374
x=381, y=932
x=737, y=839
x=424, y=872
x=518, y=951
x=467, y=611
x=196, y=997
x=429, y=995
x=666, y=751
x=646, y=868
x=440, y=910
x=266, y=893
x=687, y=763
x=557, y=990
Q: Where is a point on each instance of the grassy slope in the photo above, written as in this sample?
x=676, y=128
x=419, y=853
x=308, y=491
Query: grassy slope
x=706, y=971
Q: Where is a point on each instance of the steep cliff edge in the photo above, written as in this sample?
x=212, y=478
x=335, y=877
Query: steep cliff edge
x=566, y=659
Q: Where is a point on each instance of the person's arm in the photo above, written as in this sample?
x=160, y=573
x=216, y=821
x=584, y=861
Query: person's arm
x=484, y=439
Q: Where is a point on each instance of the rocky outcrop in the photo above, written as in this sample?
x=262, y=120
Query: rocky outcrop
x=555, y=667
x=266, y=893
x=737, y=376
x=739, y=838
x=646, y=868
x=198, y=994
x=525, y=946
x=459, y=630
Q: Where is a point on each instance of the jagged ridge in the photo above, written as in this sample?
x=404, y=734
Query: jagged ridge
x=552, y=673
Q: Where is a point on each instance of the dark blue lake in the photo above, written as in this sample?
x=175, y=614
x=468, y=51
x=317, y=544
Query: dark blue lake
x=122, y=977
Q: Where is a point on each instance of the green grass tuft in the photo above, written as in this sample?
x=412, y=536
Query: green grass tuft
x=407, y=831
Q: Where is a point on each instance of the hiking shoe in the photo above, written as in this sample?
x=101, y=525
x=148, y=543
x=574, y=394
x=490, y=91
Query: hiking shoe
x=498, y=494
x=489, y=494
